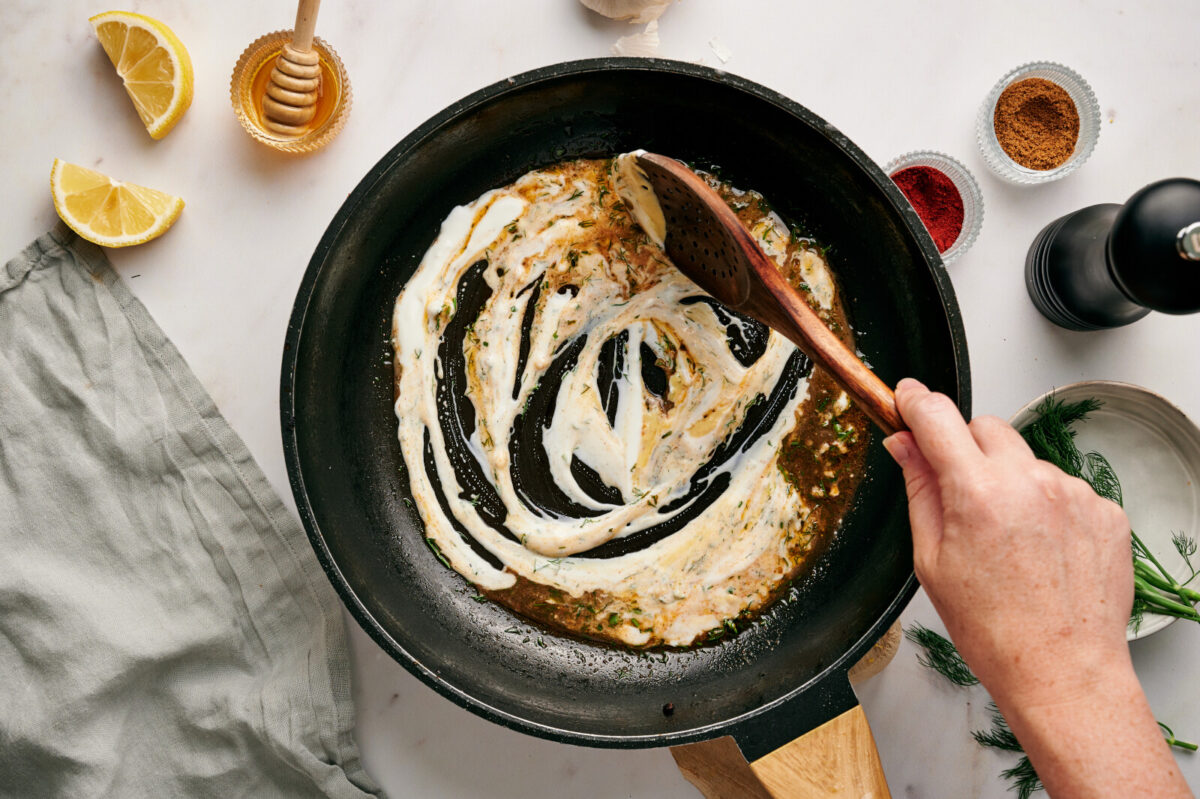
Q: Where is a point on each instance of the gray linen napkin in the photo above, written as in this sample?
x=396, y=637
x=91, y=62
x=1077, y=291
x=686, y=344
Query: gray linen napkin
x=165, y=629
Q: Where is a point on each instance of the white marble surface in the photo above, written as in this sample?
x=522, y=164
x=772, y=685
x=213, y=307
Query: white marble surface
x=894, y=76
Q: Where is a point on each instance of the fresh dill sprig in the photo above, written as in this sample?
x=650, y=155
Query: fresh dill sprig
x=1154, y=585
x=1137, y=614
x=1023, y=779
x=1099, y=474
x=1185, y=545
x=1052, y=438
x=941, y=655
x=437, y=552
x=999, y=735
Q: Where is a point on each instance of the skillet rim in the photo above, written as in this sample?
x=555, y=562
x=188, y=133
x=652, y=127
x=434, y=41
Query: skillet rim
x=839, y=666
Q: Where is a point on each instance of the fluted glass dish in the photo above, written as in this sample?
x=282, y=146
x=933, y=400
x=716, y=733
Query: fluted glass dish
x=968, y=189
x=1089, y=124
x=251, y=76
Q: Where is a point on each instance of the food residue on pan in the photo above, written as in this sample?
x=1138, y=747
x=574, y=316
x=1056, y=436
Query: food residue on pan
x=592, y=440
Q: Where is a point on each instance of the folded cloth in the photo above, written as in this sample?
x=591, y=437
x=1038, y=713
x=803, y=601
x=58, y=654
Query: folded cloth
x=165, y=629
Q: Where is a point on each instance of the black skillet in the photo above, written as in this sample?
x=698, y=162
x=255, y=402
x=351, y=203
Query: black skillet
x=773, y=681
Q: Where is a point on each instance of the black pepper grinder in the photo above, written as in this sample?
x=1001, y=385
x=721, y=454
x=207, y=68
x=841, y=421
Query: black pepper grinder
x=1108, y=265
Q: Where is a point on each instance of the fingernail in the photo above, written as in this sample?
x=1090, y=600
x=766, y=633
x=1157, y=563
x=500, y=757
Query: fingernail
x=897, y=449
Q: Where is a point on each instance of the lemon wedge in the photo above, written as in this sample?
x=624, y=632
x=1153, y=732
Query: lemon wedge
x=153, y=63
x=108, y=212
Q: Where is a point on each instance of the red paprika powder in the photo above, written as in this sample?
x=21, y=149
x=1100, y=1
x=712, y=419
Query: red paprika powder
x=936, y=200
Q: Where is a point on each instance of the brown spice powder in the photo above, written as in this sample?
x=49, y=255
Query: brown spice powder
x=1036, y=123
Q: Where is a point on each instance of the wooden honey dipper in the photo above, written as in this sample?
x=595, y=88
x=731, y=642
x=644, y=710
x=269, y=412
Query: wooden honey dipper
x=291, y=98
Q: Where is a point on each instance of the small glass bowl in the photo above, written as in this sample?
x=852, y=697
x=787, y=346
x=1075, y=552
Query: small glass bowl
x=1089, y=124
x=968, y=189
x=258, y=58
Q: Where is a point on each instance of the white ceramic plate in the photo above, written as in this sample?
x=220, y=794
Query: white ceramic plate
x=1155, y=451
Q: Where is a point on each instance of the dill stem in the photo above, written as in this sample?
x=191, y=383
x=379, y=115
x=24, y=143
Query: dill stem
x=1150, y=557
x=1158, y=603
x=1170, y=586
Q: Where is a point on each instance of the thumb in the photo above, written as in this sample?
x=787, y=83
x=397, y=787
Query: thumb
x=924, y=495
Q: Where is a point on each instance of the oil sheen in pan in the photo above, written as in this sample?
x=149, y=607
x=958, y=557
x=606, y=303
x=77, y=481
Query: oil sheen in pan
x=585, y=427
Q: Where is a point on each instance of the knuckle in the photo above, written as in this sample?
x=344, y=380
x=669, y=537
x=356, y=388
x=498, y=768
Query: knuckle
x=1049, y=475
x=1044, y=470
x=1079, y=494
x=922, y=566
x=936, y=404
x=1118, y=518
x=1052, y=484
x=925, y=561
x=1071, y=483
x=977, y=488
x=1083, y=490
x=989, y=423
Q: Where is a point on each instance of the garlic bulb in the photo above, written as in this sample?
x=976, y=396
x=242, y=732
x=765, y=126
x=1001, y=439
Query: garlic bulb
x=636, y=11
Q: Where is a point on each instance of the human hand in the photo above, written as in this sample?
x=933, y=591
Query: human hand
x=1028, y=568
x=1032, y=575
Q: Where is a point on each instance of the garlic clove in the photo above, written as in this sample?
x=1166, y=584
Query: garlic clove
x=639, y=45
x=636, y=11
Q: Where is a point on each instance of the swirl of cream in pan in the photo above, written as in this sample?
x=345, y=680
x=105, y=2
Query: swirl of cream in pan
x=536, y=252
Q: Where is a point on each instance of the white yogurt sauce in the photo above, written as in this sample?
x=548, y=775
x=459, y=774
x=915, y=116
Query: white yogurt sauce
x=725, y=560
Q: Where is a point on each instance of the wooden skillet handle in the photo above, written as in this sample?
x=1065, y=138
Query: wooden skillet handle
x=836, y=759
x=840, y=752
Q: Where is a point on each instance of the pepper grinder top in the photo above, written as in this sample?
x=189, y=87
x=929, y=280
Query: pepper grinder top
x=1109, y=265
x=1154, y=247
x=1189, y=242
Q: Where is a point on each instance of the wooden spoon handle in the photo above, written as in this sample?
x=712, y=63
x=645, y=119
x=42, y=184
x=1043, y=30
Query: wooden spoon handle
x=306, y=24
x=800, y=323
x=708, y=243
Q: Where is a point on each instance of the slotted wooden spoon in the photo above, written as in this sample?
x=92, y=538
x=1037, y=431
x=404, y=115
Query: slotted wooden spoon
x=707, y=242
